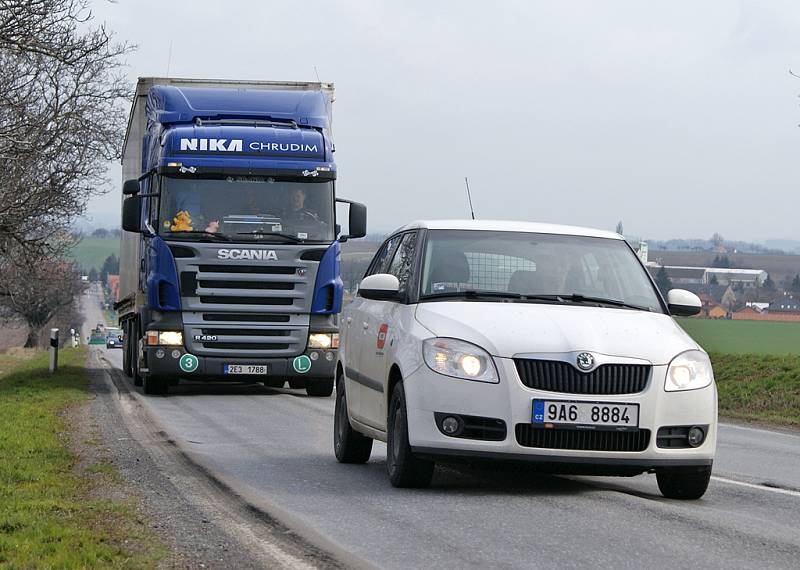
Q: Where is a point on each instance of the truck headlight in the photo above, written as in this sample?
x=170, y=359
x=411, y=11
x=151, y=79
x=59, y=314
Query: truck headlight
x=323, y=340
x=165, y=338
x=459, y=359
x=690, y=370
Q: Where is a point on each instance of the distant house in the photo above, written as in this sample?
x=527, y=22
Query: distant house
x=785, y=304
x=711, y=276
x=113, y=286
x=718, y=312
x=746, y=311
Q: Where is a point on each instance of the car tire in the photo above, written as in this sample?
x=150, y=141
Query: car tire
x=320, y=388
x=683, y=484
x=403, y=467
x=348, y=445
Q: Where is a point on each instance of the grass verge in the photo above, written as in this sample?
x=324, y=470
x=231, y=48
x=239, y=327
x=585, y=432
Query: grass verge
x=54, y=511
x=744, y=337
x=759, y=387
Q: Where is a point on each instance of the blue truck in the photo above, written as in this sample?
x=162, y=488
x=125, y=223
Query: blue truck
x=229, y=260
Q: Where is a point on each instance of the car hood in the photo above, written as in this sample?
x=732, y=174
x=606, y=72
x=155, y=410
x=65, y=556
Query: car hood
x=508, y=329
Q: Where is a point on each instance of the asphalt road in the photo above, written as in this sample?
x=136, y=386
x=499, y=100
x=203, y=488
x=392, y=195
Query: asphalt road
x=274, y=448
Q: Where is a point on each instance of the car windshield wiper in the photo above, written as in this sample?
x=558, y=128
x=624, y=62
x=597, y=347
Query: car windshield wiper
x=578, y=298
x=474, y=294
x=200, y=233
x=278, y=234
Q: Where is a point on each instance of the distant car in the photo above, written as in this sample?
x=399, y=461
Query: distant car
x=114, y=338
x=529, y=342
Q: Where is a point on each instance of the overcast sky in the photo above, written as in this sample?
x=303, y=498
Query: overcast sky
x=679, y=118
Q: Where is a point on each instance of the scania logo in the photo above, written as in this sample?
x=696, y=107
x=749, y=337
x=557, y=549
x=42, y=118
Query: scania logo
x=260, y=254
x=585, y=361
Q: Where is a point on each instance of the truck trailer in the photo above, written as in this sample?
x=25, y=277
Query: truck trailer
x=229, y=261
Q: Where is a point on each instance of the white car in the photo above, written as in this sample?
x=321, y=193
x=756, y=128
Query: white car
x=520, y=341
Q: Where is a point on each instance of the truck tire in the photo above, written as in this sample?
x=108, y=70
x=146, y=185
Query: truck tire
x=403, y=467
x=133, y=356
x=126, y=351
x=297, y=383
x=320, y=388
x=155, y=386
x=687, y=485
x=348, y=445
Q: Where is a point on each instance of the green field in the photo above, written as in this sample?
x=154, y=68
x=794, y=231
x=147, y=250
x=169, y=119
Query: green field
x=744, y=337
x=92, y=251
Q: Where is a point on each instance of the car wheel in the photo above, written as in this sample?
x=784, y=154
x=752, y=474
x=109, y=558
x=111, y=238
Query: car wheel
x=348, y=445
x=404, y=468
x=320, y=388
x=683, y=484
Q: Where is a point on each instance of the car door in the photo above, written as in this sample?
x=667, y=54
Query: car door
x=356, y=331
x=382, y=319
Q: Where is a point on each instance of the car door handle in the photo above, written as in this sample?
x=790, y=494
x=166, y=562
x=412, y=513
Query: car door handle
x=366, y=325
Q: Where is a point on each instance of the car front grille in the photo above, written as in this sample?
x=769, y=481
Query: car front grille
x=606, y=379
x=584, y=440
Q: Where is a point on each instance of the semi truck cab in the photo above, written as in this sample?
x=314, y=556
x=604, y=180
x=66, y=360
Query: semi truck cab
x=230, y=254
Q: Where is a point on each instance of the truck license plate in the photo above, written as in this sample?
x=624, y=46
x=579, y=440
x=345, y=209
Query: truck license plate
x=257, y=369
x=581, y=414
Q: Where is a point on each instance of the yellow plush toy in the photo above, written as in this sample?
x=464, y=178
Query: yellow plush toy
x=182, y=222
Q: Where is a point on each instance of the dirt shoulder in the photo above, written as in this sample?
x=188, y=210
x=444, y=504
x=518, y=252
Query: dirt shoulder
x=201, y=523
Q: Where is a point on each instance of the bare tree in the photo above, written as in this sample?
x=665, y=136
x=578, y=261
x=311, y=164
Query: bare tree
x=37, y=289
x=61, y=116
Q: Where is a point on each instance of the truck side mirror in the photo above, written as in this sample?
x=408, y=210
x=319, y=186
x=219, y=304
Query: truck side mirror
x=130, y=187
x=358, y=221
x=132, y=214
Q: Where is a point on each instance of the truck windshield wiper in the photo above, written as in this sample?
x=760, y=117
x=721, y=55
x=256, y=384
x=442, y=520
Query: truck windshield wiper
x=200, y=233
x=578, y=298
x=278, y=234
x=474, y=294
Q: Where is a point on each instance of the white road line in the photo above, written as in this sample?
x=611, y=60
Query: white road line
x=757, y=487
x=761, y=430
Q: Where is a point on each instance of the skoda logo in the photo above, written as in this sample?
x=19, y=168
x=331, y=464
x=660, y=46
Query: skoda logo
x=585, y=361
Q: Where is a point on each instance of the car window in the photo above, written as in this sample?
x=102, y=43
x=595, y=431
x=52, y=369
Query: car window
x=403, y=261
x=380, y=263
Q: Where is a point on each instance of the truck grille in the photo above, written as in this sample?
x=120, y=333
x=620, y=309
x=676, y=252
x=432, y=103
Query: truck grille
x=607, y=379
x=585, y=440
x=242, y=340
x=249, y=288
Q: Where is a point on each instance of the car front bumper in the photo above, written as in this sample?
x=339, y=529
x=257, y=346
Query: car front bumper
x=511, y=402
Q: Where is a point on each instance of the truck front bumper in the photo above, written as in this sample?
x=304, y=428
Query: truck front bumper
x=165, y=362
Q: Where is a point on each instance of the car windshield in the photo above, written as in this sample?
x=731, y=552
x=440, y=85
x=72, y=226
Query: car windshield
x=113, y=333
x=247, y=208
x=507, y=266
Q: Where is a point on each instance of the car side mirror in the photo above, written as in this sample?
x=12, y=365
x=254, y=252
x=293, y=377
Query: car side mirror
x=130, y=187
x=132, y=214
x=380, y=287
x=683, y=303
x=357, y=223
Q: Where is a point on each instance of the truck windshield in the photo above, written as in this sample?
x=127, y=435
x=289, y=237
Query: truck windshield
x=247, y=208
x=531, y=267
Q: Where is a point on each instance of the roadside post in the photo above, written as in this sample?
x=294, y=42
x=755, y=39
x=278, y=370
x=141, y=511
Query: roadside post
x=53, y=350
x=73, y=337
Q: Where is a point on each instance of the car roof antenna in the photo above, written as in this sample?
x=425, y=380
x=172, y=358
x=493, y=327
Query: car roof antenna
x=469, y=197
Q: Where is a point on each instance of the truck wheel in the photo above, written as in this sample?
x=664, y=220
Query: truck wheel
x=684, y=484
x=404, y=468
x=348, y=445
x=320, y=388
x=133, y=356
x=126, y=352
x=155, y=386
x=297, y=383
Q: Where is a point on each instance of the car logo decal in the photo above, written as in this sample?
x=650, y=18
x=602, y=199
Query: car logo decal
x=382, y=336
x=585, y=361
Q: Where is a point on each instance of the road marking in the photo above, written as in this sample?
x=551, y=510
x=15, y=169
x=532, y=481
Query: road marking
x=760, y=430
x=755, y=486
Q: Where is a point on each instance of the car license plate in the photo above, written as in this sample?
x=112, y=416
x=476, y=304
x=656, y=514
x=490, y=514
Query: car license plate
x=585, y=415
x=257, y=369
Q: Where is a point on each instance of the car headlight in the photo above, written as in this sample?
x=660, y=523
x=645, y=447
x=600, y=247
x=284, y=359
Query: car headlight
x=168, y=338
x=323, y=340
x=690, y=370
x=459, y=359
